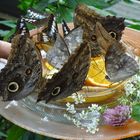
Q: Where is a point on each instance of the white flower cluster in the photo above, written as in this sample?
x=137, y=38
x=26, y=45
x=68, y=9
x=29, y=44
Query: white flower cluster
x=78, y=98
x=88, y=118
x=132, y=87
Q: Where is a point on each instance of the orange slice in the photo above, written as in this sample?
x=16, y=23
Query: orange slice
x=96, y=74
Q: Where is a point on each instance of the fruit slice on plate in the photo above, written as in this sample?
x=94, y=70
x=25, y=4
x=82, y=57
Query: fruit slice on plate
x=96, y=74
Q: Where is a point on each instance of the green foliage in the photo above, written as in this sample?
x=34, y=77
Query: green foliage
x=136, y=112
x=25, y=4
x=137, y=26
x=15, y=133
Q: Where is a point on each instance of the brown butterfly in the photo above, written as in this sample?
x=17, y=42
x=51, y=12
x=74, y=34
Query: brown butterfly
x=87, y=18
x=70, y=78
x=118, y=63
x=22, y=73
x=47, y=37
x=35, y=17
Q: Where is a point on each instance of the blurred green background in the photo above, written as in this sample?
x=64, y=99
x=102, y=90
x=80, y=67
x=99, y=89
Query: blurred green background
x=10, y=10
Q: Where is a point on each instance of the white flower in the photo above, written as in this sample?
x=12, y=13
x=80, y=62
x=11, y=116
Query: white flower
x=94, y=107
x=78, y=98
x=83, y=114
x=88, y=118
x=70, y=108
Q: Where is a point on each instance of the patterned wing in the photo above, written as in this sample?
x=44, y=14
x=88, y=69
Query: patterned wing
x=21, y=28
x=35, y=17
x=58, y=54
x=23, y=72
x=70, y=78
x=119, y=65
x=48, y=35
x=65, y=28
x=74, y=39
x=62, y=48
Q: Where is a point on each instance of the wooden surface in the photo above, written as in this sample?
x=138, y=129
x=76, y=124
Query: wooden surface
x=32, y=121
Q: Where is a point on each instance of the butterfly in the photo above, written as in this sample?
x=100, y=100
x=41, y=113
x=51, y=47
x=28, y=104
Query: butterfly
x=35, y=17
x=63, y=48
x=70, y=78
x=87, y=18
x=23, y=71
x=47, y=37
x=119, y=64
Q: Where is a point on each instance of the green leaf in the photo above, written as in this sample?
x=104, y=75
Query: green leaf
x=2, y=134
x=137, y=26
x=9, y=34
x=8, y=23
x=15, y=133
x=136, y=112
x=3, y=33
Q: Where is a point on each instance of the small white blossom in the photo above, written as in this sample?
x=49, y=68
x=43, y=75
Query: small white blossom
x=83, y=114
x=78, y=98
x=70, y=108
x=88, y=118
x=94, y=107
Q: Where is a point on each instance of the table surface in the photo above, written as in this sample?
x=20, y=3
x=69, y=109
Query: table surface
x=32, y=121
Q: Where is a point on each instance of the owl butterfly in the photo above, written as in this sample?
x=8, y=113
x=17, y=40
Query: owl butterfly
x=70, y=78
x=47, y=37
x=35, y=17
x=63, y=48
x=119, y=64
x=87, y=18
x=23, y=71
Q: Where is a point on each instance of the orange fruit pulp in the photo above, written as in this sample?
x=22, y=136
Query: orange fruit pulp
x=96, y=74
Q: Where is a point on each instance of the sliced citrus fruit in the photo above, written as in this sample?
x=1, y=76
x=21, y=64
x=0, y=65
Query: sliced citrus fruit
x=96, y=74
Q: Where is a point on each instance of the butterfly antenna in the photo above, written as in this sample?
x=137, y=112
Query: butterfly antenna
x=65, y=28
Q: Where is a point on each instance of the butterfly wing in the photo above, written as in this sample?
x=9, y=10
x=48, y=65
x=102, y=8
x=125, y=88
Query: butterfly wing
x=62, y=48
x=65, y=28
x=23, y=71
x=48, y=35
x=35, y=17
x=104, y=39
x=21, y=28
x=119, y=65
x=58, y=54
x=74, y=39
x=70, y=78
